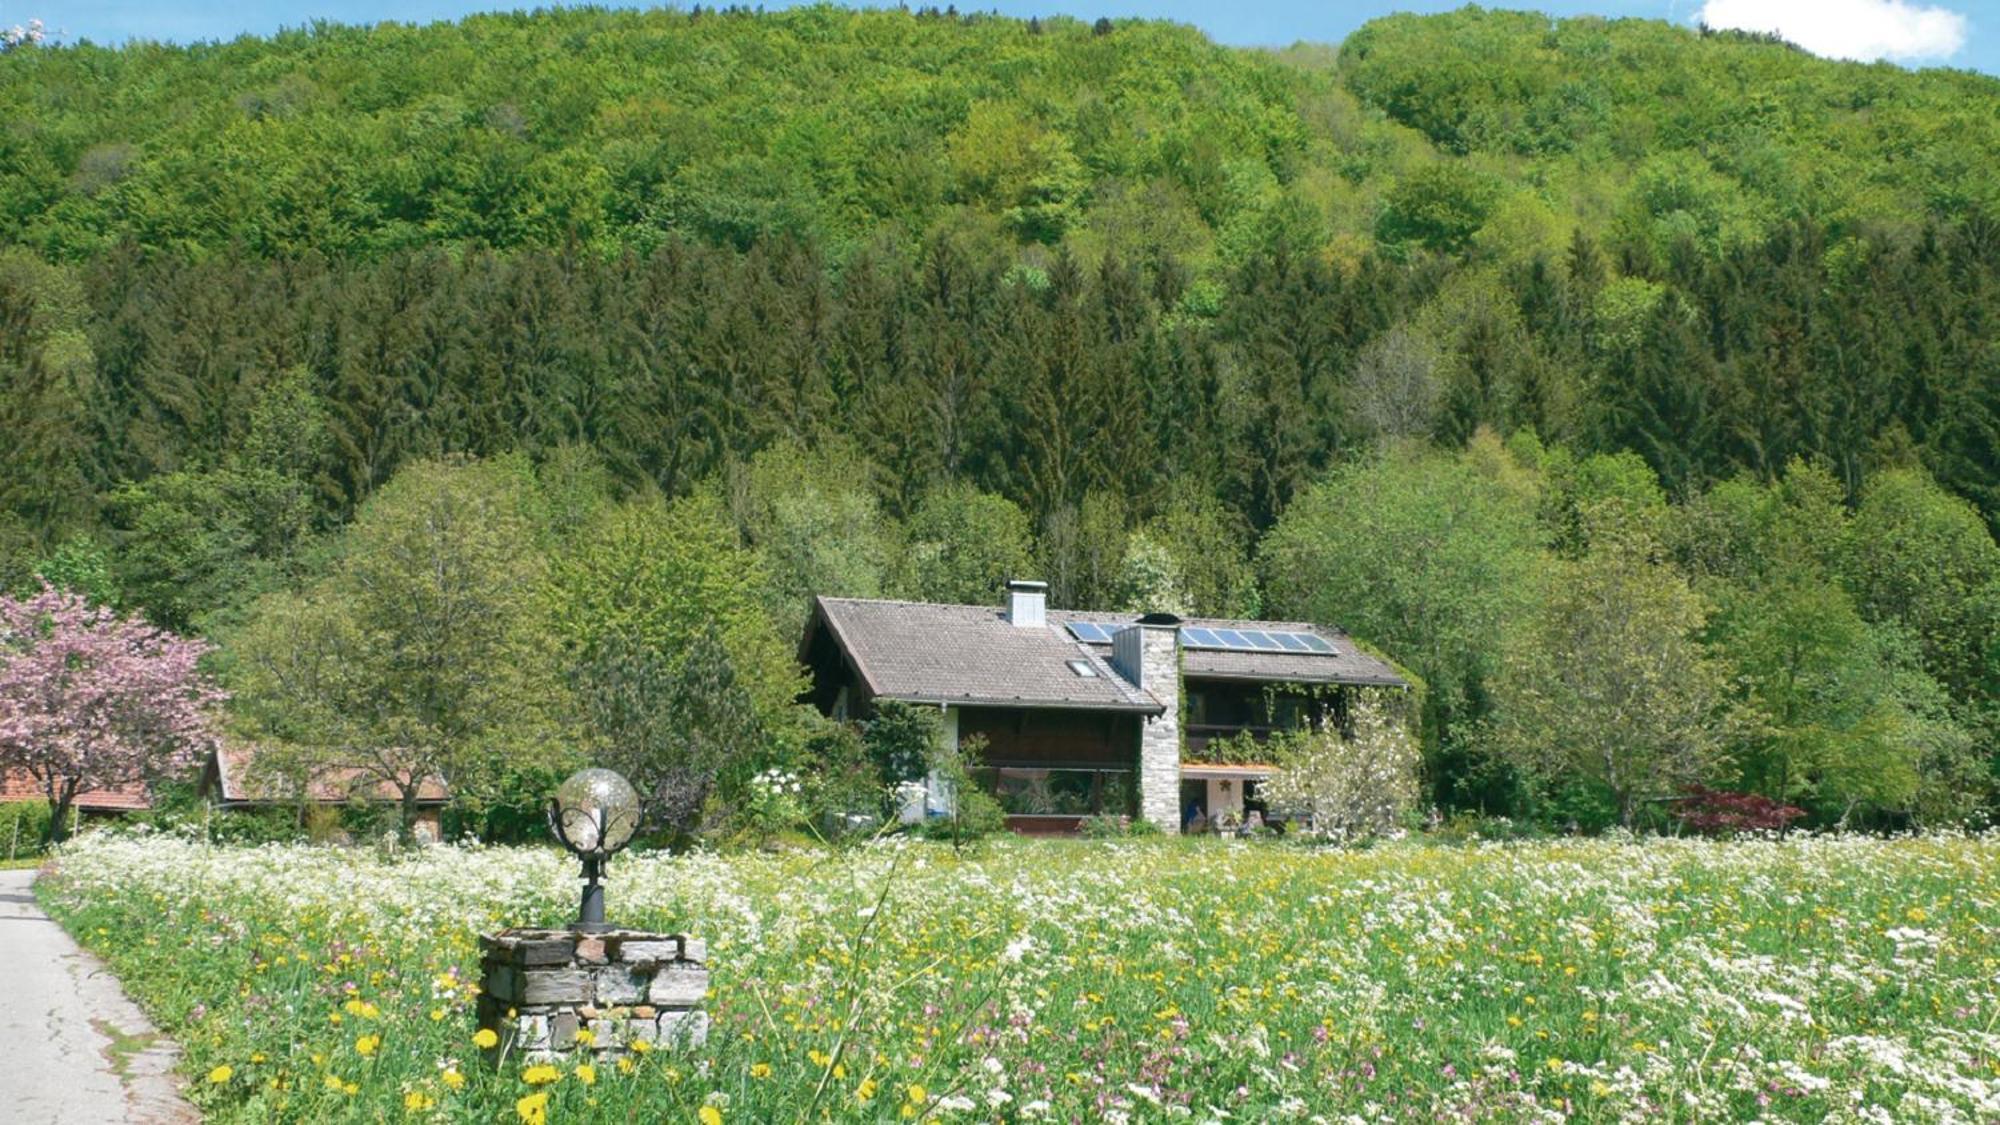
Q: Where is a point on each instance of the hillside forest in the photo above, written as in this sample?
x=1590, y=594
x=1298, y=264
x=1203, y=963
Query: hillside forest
x=506, y=388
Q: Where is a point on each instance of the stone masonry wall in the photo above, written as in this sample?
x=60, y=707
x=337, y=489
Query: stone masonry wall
x=1160, y=737
x=540, y=987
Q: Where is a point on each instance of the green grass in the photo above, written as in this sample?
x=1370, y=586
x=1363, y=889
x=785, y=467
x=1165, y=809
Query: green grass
x=1794, y=980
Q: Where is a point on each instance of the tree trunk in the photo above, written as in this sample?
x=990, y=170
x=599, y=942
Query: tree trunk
x=406, y=830
x=62, y=794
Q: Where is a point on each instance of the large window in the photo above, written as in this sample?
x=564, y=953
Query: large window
x=1059, y=792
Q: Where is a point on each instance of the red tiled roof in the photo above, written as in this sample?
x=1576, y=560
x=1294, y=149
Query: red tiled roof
x=240, y=784
x=18, y=785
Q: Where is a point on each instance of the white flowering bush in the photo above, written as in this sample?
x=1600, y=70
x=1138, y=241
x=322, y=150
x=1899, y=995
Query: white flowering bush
x=1804, y=979
x=1349, y=786
x=775, y=802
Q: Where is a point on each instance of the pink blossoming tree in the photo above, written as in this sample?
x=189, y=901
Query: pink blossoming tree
x=91, y=700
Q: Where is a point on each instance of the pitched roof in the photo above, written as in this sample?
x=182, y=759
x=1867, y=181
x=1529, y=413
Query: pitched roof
x=926, y=652
x=17, y=785
x=1349, y=663
x=923, y=652
x=240, y=783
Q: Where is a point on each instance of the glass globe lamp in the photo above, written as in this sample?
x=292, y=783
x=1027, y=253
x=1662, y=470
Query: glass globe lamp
x=593, y=815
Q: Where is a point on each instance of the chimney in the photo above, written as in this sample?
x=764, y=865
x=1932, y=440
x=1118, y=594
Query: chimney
x=1147, y=652
x=1027, y=603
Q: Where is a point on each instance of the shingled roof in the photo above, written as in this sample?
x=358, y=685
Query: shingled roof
x=923, y=652
x=231, y=774
x=970, y=654
x=1348, y=664
x=18, y=785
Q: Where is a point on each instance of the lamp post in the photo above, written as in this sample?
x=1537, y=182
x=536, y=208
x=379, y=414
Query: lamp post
x=593, y=814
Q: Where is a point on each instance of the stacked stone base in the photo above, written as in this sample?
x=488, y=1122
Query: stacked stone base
x=542, y=987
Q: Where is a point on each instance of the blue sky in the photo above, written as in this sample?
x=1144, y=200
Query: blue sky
x=1961, y=33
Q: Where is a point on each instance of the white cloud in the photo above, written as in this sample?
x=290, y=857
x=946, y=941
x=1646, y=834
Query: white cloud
x=1847, y=29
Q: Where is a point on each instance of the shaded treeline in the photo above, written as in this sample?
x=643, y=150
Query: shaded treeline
x=953, y=362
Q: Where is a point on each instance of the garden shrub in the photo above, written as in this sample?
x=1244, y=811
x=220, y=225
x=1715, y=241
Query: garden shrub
x=1105, y=826
x=901, y=739
x=1714, y=812
x=23, y=827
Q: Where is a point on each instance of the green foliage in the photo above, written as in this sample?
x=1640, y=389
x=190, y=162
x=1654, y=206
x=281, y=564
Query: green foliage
x=414, y=656
x=1423, y=554
x=1610, y=681
x=844, y=787
x=901, y=739
x=1921, y=559
x=816, y=528
x=915, y=304
x=963, y=547
x=24, y=827
x=84, y=566
x=815, y=122
x=974, y=812
x=678, y=677
x=1440, y=206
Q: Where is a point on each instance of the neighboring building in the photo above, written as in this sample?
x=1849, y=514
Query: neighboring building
x=231, y=780
x=1085, y=713
x=19, y=785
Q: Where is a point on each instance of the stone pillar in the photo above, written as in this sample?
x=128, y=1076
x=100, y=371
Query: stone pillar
x=540, y=987
x=1149, y=655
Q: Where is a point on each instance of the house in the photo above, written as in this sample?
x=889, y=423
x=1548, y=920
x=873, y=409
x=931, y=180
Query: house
x=231, y=780
x=1084, y=713
x=19, y=785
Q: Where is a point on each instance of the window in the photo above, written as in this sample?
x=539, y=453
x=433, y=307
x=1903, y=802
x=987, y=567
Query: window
x=1083, y=668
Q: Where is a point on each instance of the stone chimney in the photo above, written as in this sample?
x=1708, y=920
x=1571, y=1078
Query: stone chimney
x=1027, y=603
x=1148, y=654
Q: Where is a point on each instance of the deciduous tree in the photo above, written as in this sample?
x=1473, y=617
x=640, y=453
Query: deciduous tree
x=90, y=700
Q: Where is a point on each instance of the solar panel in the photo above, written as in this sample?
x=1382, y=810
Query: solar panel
x=1256, y=640
x=1089, y=631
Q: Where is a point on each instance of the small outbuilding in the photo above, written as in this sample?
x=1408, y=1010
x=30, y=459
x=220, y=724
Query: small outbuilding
x=232, y=779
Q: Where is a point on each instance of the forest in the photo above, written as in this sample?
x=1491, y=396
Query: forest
x=1561, y=361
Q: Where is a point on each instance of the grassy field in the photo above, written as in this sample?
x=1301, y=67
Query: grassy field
x=1803, y=980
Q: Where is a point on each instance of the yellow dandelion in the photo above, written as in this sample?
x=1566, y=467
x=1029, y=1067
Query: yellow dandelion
x=533, y=1109
x=586, y=1074
x=486, y=1039
x=366, y=1045
x=453, y=1079
x=416, y=1101
x=916, y=1094
x=586, y=1037
x=710, y=1115
x=541, y=1074
x=760, y=1070
x=866, y=1091
x=220, y=1075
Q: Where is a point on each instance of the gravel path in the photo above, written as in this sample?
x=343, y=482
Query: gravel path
x=72, y=1047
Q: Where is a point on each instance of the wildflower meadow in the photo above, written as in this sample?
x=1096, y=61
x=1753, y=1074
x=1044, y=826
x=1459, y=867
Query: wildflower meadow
x=1803, y=979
